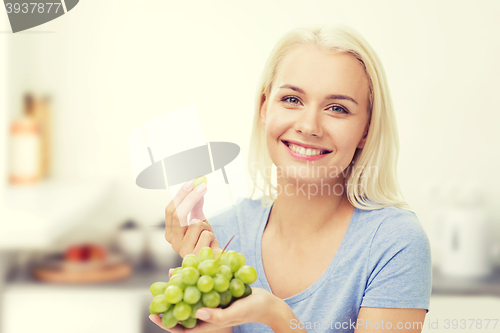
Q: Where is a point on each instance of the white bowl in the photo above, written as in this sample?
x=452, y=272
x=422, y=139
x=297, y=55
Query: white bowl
x=162, y=253
x=132, y=242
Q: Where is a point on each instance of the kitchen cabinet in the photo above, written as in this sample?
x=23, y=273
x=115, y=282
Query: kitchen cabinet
x=459, y=303
x=446, y=285
x=31, y=218
x=119, y=306
x=471, y=312
x=76, y=310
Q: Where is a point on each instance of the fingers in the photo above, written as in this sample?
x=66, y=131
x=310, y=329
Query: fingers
x=197, y=211
x=186, y=238
x=177, y=200
x=177, y=234
x=204, y=327
x=192, y=236
x=188, y=203
x=206, y=238
x=215, y=246
x=172, y=223
x=157, y=320
x=177, y=211
x=186, y=188
x=218, y=317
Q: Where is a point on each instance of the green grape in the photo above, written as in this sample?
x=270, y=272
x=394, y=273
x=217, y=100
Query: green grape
x=247, y=274
x=221, y=256
x=207, y=267
x=190, y=255
x=225, y=298
x=242, y=259
x=190, y=276
x=159, y=303
x=190, y=260
x=232, y=260
x=192, y=295
x=221, y=284
x=205, y=280
x=205, y=254
x=182, y=311
x=151, y=310
x=248, y=291
x=169, y=319
x=211, y=299
x=205, y=283
x=189, y=323
x=236, y=287
x=158, y=288
x=173, y=294
x=233, y=299
x=199, y=180
x=195, y=308
x=225, y=271
x=176, y=280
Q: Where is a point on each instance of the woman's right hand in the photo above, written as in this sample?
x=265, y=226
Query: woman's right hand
x=190, y=238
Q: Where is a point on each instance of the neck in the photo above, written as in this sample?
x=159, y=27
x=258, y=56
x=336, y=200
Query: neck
x=299, y=218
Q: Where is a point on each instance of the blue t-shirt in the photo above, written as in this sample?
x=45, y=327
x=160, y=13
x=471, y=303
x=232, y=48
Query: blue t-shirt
x=384, y=261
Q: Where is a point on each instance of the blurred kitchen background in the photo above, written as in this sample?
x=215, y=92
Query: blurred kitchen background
x=73, y=89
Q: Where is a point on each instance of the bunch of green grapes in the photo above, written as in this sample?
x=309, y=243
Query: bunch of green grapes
x=201, y=281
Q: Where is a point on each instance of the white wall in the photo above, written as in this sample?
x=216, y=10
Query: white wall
x=111, y=65
x=4, y=115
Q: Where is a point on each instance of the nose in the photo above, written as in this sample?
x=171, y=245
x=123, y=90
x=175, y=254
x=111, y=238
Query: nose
x=308, y=123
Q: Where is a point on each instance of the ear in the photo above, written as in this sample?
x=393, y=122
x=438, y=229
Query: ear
x=361, y=143
x=263, y=110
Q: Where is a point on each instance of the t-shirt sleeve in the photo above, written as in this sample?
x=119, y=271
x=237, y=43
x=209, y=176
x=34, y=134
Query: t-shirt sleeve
x=399, y=265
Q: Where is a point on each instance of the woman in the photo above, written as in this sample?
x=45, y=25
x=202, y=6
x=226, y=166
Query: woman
x=335, y=245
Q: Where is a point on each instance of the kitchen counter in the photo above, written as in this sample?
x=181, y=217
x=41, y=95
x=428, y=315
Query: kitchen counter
x=121, y=306
x=32, y=217
x=444, y=285
x=140, y=280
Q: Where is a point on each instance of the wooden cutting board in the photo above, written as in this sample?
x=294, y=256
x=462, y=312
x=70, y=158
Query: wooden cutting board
x=62, y=272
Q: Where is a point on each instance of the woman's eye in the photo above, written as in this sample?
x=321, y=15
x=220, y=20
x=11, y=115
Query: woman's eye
x=337, y=108
x=291, y=99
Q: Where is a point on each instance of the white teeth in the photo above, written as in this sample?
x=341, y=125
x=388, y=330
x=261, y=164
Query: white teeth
x=303, y=151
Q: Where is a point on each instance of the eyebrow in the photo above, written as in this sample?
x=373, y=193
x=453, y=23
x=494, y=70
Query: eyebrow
x=334, y=96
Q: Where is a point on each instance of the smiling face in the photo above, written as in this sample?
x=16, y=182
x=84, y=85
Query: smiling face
x=317, y=101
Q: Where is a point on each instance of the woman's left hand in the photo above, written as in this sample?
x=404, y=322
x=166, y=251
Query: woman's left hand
x=258, y=307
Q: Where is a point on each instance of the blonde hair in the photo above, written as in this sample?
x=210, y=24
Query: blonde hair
x=381, y=149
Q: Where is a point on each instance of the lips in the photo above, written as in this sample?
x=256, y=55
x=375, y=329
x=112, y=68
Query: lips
x=306, y=146
x=302, y=154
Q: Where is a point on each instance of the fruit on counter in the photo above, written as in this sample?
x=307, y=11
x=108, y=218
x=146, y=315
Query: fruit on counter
x=74, y=253
x=199, y=180
x=202, y=281
x=85, y=252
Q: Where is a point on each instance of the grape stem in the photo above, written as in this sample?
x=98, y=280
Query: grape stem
x=225, y=247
